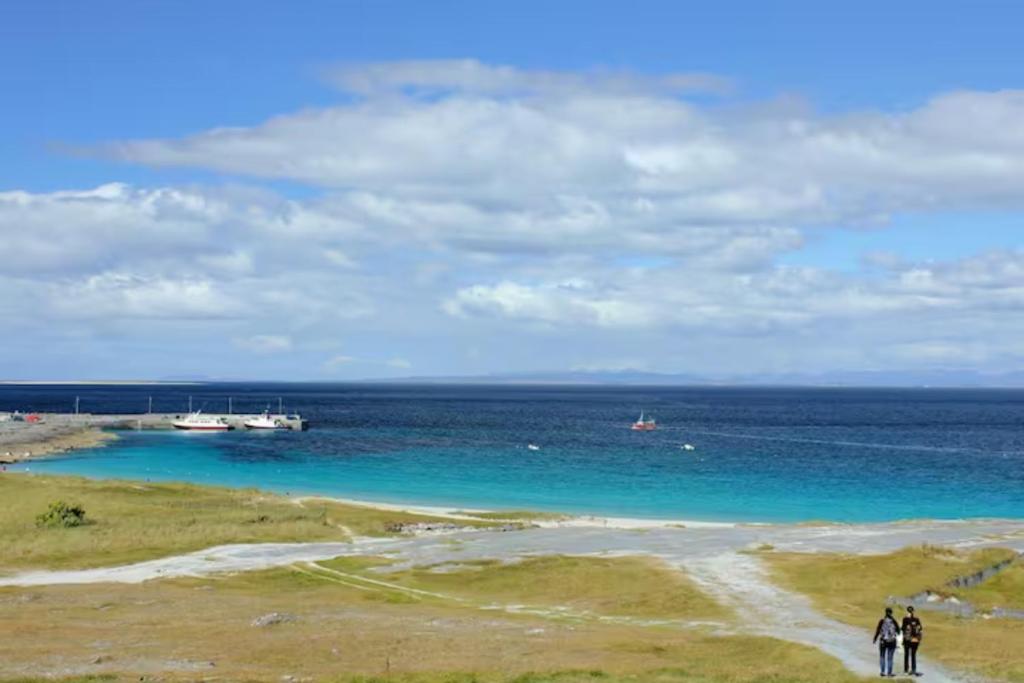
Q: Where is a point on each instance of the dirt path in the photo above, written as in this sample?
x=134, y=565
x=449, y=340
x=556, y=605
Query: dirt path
x=741, y=581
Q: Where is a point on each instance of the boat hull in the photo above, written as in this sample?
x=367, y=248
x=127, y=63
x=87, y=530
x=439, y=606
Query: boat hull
x=198, y=428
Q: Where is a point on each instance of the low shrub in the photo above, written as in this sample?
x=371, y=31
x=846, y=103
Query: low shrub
x=62, y=515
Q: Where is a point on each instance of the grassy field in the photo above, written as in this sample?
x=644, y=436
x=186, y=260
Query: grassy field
x=134, y=521
x=638, y=587
x=1005, y=590
x=854, y=589
x=558, y=619
x=188, y=629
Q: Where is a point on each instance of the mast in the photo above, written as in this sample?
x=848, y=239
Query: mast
x=280, y=409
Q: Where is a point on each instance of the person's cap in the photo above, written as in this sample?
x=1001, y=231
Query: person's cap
x=888, y=610
x=910, y=608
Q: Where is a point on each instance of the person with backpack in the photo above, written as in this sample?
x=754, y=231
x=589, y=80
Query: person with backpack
x=885, y=635
x=912, y=632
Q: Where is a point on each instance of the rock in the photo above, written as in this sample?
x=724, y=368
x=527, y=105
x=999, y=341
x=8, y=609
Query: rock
x=273, y=618
x=422, y=527
x=101, y=659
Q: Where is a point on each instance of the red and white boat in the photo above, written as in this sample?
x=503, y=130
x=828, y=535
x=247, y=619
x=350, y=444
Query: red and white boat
x=197, y=422
x=644, y=425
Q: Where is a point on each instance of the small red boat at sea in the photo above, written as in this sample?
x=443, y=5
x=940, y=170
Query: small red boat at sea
x=644, y=425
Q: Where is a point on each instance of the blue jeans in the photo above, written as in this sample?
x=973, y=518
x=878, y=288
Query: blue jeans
x=885, y=653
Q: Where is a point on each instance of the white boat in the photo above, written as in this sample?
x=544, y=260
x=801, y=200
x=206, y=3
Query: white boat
x=197, y=422
x=533, y=447
x=264, y=421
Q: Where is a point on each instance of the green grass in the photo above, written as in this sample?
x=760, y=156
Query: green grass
x=1005, y=589
x=134, y=521
x=855, y=588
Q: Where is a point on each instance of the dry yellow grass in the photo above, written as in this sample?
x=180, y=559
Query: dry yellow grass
x=343, y=629
x=192, y=629
x=1005, y=590
x=854, y=589
x=639, y=587
x=134, y=521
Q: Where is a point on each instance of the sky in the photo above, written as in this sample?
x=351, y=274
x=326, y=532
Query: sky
x=348, y=190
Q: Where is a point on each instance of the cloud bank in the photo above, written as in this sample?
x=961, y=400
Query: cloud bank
x=459, y=200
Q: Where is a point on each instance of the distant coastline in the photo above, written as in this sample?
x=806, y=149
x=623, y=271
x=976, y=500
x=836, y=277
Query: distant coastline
x=94, y=382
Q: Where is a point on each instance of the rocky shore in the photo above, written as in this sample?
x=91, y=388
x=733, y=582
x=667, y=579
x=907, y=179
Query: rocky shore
x=23, y=440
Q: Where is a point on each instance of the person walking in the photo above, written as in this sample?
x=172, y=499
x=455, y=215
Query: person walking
x=912, y=632
x=885, y=635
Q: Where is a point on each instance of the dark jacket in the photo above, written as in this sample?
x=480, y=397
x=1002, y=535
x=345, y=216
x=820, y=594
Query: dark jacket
x=912, y=629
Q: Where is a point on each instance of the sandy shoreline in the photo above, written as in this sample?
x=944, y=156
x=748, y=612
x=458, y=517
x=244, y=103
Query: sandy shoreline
x=547, y=521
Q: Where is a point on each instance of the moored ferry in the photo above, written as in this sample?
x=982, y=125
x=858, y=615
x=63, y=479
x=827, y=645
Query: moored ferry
x=264, y=421
x=197, y=422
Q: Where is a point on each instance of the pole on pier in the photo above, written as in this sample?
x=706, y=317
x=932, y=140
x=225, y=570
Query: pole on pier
x=280, y=410
x=150, y=411
x=229, y=405
x=76, y=405
x=190, y=404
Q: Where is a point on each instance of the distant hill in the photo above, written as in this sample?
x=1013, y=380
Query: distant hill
x=853, y=378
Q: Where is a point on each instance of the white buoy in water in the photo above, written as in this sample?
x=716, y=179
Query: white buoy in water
x=533, y=447
x=688, y=447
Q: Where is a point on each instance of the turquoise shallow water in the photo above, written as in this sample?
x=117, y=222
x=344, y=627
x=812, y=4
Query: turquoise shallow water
x=762, y=454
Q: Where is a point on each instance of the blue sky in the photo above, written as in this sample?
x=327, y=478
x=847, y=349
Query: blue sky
x=263, y=190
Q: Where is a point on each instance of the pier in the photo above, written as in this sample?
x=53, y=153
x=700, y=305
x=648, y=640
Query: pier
x=42, y=421
x=166, y=420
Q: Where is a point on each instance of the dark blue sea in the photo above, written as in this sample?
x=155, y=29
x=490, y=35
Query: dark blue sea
x=762, y=454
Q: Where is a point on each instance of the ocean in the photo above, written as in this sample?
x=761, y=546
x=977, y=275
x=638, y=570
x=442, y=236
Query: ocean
x=761, y=454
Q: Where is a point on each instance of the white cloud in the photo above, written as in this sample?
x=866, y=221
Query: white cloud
x=776, y=300
x=335, y=362
x=472, y=76
x=118, y=295
x=265, y=343
x=466, y=206
x=339, y=362
x=475, y=147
